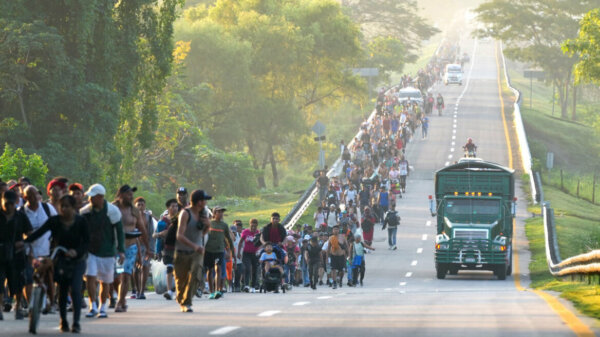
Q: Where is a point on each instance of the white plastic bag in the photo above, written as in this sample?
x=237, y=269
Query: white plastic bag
x=159, y=276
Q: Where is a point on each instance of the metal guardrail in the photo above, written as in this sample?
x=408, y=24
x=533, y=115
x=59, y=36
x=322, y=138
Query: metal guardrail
x=583, y=264
x=521, y=136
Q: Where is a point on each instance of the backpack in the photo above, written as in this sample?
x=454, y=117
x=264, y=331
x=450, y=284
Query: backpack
x=392, y=219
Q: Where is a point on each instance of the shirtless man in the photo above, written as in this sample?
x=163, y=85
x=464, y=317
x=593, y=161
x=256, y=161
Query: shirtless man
x=132, y=221
x=338, y=252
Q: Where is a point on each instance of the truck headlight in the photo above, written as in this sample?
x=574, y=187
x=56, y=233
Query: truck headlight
x=442, y=246
x=499, y=248
x=441, y=241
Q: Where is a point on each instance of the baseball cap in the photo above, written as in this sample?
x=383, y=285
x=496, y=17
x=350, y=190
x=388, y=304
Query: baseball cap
x=24, y=179
x=306, y=237
x=233, y=228
x=198, y=195
x=127, y=188
x=12, y=185
x=55, y=183
x=218, y=208
x=95, y=190
x=182, y=190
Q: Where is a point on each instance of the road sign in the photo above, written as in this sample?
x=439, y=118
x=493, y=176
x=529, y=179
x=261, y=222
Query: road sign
x=533, y=73
x=319, y=128
x=366, y=72
x=550, y=160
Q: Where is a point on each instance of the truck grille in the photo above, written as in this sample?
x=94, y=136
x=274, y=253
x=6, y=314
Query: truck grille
x=470, y=233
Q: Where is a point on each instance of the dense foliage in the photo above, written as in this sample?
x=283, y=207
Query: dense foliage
x=15, y=163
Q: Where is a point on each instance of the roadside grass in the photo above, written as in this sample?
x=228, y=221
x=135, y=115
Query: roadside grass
x=577, y=220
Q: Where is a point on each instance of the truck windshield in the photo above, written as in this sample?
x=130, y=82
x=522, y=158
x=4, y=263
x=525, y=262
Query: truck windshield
x=470, y=207
x=455, y=69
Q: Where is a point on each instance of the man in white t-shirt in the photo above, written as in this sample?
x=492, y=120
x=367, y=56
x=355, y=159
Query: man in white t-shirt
x=38, y=213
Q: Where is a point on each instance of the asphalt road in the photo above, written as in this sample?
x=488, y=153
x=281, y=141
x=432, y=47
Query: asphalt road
x=401, y=295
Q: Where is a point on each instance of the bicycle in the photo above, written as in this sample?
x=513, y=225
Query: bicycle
x=42, y=266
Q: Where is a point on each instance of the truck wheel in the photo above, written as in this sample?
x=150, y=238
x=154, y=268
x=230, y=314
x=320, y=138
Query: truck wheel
x=441, y=270
x=453, y=270
x=509, y=269
x=501, y=272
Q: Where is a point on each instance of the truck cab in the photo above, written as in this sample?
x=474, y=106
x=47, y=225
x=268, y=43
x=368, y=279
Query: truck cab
x=475, y=207
x=453, y=74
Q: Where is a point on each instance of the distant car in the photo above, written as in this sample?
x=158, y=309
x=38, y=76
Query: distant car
x=410, y=93
x=453, y=74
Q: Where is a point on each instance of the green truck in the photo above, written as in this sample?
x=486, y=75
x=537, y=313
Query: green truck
x=475, y=208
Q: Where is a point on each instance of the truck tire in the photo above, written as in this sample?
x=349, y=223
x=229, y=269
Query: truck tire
x=501, y=272
x=441, y=270
x=453, y=270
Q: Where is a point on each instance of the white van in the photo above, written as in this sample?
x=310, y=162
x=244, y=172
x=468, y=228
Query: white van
x=453, y=74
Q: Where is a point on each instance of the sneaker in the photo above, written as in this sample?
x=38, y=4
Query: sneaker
x=141, y=297
x=212, y=296
x=218, y=295
x=113, y=303
x=64, y=327
x=167, y=296
x=91, y=313
x=1, y=317
x=102, y=314
x=186, y=308
x=334, y=285
x=133, y=295
x=306, y=285
x=361, y=284
x=394, y=248
x=19, y=315
x=121, y=309
x=76, y=328
x=321, y=282
x=7, y=307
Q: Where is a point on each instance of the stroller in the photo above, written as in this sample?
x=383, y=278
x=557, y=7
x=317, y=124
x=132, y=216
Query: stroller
x=272, y=280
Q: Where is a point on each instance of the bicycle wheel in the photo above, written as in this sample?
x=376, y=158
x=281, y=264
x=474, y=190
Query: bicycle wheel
x=35, y=308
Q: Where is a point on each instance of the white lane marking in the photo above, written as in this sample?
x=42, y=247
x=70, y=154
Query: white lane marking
x=453, y=137
x=387, y=289
x=324, y=297
x=268, y=313
x=402, y=284
x=453, y=143
x=449, y=156
x=451, y=149
x=300, y=303
x=224, y=330
x=409, y=274
x=424, y=237
x=420, y=250
x=428, y=223
x=414, y=263
x=447, y=163
x=454, y=126
x=454, y=131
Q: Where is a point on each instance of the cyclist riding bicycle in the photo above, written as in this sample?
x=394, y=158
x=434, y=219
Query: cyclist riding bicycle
x=470, y=147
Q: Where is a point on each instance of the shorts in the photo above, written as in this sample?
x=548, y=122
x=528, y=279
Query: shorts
x=212, y=259
x=101, y=267
x=130, y=258
x=28, y=274
x=338, y=262
x=9, y=274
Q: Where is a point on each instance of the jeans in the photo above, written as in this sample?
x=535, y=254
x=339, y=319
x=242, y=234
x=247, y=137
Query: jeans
x=305, y=274
x=188, y=271
x=289, y=271
x=313, y=272
x=237, y=275
x=250, y=261
x=74, y=284
x=392, y=235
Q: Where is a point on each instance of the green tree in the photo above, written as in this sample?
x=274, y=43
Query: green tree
x=587, y=47
x=533, y=32
x=15, y=163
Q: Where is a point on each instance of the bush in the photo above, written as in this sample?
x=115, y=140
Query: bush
x=15, y=164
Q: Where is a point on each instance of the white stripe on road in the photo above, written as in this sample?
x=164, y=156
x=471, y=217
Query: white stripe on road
x=453, y=143
x=454, y=131
x=449, y=156
x=387, y=289
x=300, y=303
x=420, y=250
x=453, y=137
x=402, y=284
x=424, y=237
x=324, y=297
x=451, y=149
x=428, y=223
x=409, y=274
x=414, y=263
x=268, y=313
x=224, y=330
x=447, y=163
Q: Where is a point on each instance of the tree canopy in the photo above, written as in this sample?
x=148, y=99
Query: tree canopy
x=587, y=47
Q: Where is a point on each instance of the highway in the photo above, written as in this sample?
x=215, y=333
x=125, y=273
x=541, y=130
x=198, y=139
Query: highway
x=401, y=295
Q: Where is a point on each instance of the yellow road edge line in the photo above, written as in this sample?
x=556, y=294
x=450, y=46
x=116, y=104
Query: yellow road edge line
x=571, y=320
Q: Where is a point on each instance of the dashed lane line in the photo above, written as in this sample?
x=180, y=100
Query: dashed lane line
x=298, y=304
x=224, y=330
x=323, y=297
x=409, y=274
x=414, y=263
x=428, y=223
x=402, y=284
x=424, y=237
x=268, y=313
x=420, y=251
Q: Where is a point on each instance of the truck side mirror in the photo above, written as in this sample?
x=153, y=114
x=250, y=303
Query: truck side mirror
x=513, y=207
x=432, y=208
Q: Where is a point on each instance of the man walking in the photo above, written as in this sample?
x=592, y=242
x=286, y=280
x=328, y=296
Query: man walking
x=218, y=235
x=103, y=220
x=193, y=224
